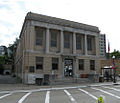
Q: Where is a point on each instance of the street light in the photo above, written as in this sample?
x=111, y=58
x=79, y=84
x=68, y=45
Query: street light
x=113, y=67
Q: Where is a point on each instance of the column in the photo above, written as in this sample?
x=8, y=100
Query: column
x=97, y=45
x=74, y=67
x=74, y=43
x=85, y=48
x=61, y=41
x=47, y=41
x=63, y=63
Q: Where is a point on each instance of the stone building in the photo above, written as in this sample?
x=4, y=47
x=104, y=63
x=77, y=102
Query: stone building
x=53, y=46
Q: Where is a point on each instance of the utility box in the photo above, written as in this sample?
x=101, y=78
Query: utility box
x=31, y=79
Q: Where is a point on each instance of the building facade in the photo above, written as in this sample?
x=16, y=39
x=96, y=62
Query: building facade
x=102, y=44
x=53, y=46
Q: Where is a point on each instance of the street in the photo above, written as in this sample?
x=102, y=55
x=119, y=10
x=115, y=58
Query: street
x=78, y=94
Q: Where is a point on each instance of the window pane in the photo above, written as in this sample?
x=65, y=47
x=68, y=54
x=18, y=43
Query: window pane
x=39, y=36
x=54, y=63
x=89, y=44
x=39, y=62
x=92, y=65
x=78, y=42
x=54, y=38
x=81, y=64
x=66, y=40
x=39, y=66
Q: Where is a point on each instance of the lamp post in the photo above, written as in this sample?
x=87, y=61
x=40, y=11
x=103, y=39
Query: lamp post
x=113, y=67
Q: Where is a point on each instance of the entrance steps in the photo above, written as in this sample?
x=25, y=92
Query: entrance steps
x=70, y=81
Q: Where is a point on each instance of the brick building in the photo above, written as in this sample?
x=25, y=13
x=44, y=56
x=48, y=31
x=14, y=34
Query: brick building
x=50, y=45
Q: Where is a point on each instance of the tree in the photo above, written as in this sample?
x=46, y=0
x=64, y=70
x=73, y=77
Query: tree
x=116, y=53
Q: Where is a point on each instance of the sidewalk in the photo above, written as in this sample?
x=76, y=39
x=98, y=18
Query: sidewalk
x=12, y=87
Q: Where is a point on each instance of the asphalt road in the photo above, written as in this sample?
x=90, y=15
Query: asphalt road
x=83, y=94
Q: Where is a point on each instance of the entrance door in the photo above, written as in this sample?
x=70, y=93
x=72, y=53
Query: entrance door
x=68, y=68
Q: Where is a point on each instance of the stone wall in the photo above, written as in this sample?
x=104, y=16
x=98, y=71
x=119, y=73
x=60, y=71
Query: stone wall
x=109, y=63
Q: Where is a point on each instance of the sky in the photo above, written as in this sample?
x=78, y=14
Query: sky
x=105, y=14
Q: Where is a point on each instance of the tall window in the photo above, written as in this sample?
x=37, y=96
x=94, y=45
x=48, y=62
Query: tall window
x=39, y=36
x=54, y=38
x=66, y=40
x=54, y=63
x=89, y=43
x=78, y=41
x=92, y=64
x=81, y=64
x=39, y=62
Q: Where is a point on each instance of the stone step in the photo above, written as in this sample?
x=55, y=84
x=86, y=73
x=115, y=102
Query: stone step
x=70, y=80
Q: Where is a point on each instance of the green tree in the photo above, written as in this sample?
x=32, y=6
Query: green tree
x=116, y=53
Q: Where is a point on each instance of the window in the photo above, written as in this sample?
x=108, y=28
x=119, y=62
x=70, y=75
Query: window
x=54, y=63
x=54, y=38
x=78, y=42
x=92, y=64
x=39, y=36
x=39, y=62
x=81, y=64
x=31, y=69
x=66, y=40
x=89, y=43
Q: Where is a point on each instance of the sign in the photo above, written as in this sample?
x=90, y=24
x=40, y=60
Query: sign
x=113, y=65
x=100, y=100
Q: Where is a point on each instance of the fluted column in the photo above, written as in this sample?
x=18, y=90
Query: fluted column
x=74, y=43
x=61, y=41
x=47, y=41
x=85, y=48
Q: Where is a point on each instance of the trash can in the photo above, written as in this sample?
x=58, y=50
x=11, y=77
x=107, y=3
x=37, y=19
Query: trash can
x=101, y=79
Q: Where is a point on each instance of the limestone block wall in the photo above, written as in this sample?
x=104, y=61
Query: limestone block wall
x=109, y=63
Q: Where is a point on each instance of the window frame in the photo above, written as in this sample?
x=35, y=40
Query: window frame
x=39, y=63
x=39, y=36
x=89, y=44
x=66, y=40
x=78, y=43
x=92, y=64
x=55, y=62
x=54, y=38
x=81, y=64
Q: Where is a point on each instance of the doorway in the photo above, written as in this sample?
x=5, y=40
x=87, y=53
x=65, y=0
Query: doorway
x=68, y=68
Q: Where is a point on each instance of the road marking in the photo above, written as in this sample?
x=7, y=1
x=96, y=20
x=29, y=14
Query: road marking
x=43, y=89
x=24, y=97
x=5, y=95
x=107, y=93
x=118, y=90
x=47, y=99
x=88, y=94
x=70, y=96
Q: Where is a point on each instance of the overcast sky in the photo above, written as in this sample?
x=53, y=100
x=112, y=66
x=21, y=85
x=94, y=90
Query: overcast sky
x=104, y=14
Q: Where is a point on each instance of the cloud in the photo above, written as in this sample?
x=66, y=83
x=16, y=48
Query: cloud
x=101, y=13
x=11, y=20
